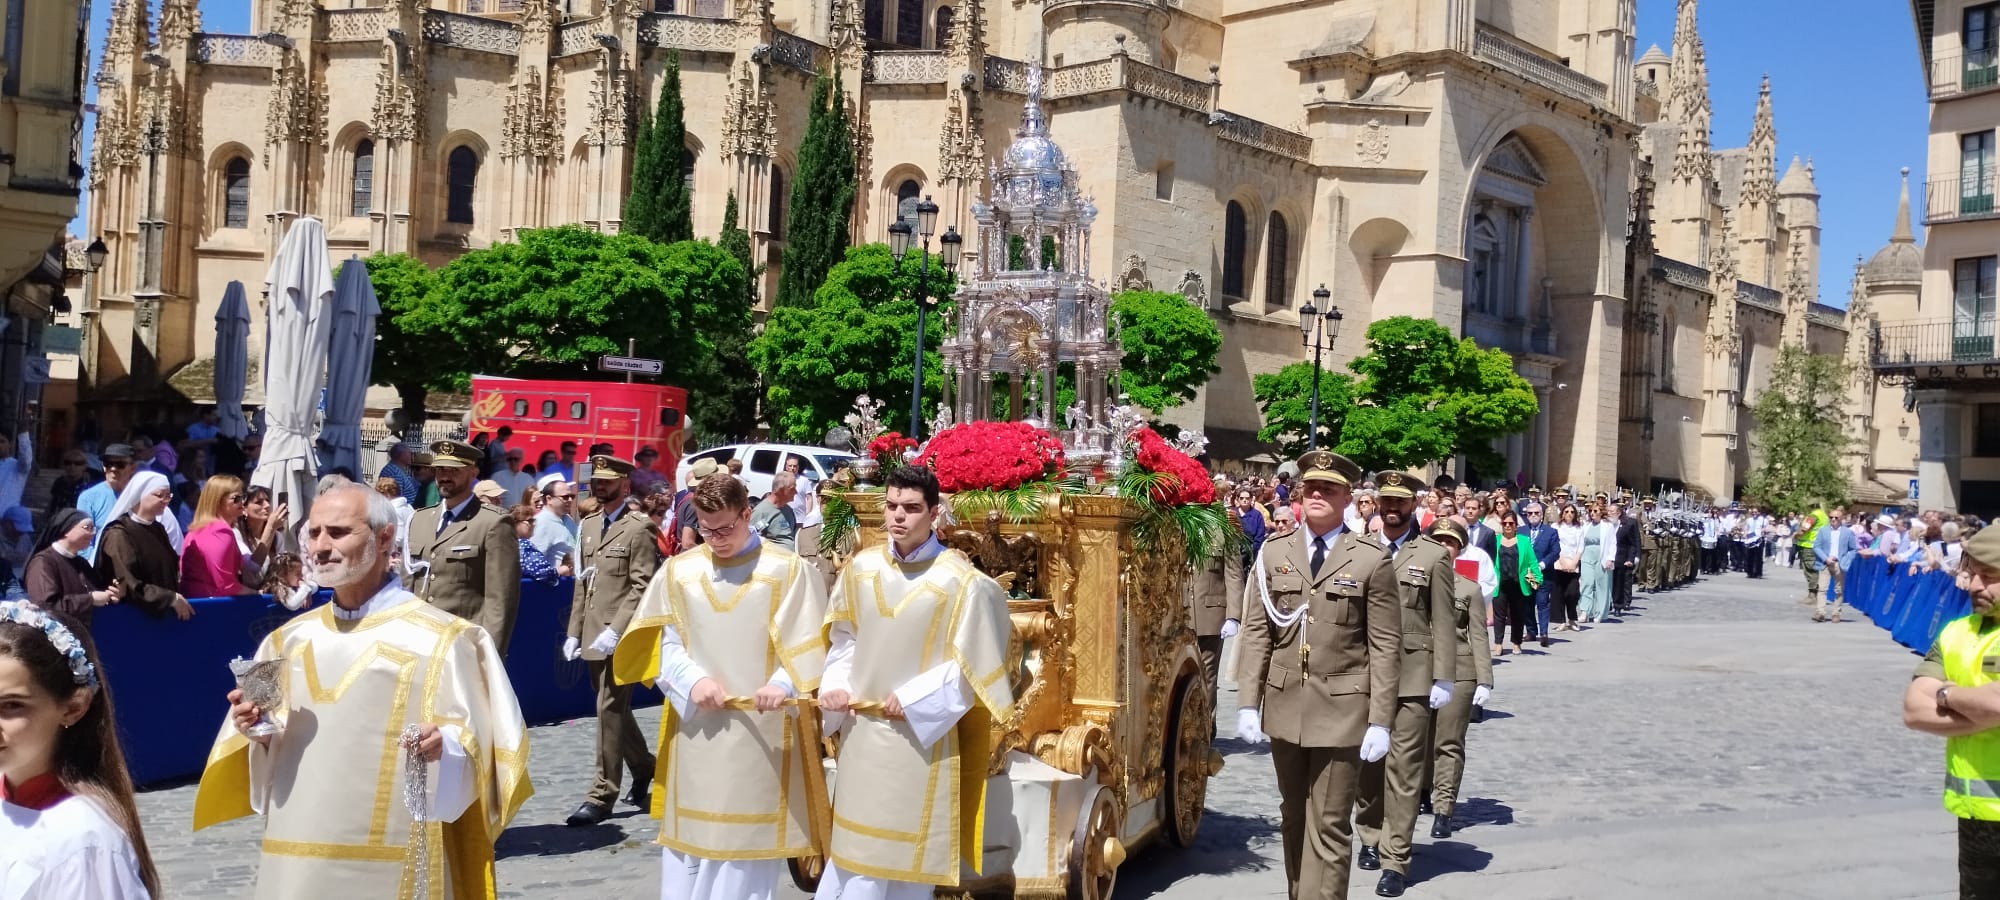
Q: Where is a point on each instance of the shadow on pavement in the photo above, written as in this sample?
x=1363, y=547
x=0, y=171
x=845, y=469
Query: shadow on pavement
x=1227, y=844
x=1477, y=811
x=561, y=840
x=1445, y=857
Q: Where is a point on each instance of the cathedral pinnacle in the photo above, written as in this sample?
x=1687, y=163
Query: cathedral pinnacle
x=1687, y=97
x=1760, y=180
x=1903, y=234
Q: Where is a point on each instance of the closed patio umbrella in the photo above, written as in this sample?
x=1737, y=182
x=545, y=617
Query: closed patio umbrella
x=300, y=324
x=232, y=360
x=350, y=358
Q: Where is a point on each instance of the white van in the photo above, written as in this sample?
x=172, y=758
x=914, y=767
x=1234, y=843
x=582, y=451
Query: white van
x=761, y=461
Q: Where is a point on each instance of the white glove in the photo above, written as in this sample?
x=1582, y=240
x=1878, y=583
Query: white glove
x=1480, y=693
x=607, y=641
x=1249, y=726
x=1374, y=744
x=1229, y=629
x=1440, y=694
x=572, y=649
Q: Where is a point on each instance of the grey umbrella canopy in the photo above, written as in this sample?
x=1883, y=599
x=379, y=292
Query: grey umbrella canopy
x=232, y=360
x=300, y=322
x=350, y=359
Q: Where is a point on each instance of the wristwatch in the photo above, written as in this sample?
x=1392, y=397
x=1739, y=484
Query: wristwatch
x=1942, y=702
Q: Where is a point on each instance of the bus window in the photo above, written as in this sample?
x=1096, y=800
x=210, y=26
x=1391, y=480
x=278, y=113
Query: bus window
x=765, y=462
x=669, y=417
x=548, y=409
x=577, y=409
x=520, y=409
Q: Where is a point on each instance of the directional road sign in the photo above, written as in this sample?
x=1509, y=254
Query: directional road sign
x=631, y=365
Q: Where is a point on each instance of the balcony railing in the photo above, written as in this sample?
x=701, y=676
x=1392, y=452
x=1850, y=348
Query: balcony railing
x=1977, y=70
x=1966, y=195
x=1511, y=55
x=1955, y=341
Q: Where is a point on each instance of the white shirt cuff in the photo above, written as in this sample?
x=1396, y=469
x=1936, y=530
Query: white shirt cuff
x=451, y=780
x=934, y=701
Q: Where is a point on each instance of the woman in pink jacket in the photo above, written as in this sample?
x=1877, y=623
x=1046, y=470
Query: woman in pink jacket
x=211, y=559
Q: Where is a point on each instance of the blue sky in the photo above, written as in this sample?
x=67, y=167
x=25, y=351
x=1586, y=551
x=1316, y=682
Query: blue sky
x=1828, y=61
x=1847, y=89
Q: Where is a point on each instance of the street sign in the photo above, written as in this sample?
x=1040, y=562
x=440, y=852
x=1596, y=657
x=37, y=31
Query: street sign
x=631, y=365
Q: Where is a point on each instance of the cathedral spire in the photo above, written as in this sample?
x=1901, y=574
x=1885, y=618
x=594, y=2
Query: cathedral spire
x=1798, y=299
x=1903, y=234
x=1687, y=96
x=1760, y=184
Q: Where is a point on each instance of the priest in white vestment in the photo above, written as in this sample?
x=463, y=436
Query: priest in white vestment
x=357, y=673
x=731, y=631
x=917, y=652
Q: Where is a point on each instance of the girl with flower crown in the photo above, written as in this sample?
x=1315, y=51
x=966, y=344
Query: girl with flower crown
x=68, y=826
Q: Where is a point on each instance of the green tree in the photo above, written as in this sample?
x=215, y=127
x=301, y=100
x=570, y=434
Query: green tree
x=856, y=337
x=408, y=356
x=1420, y=395
x=550, y=304
x=1798, y=438
x=1169, y=348
x=822, y=197
x=726, y=405
x=660, y=205
x=1285, y=396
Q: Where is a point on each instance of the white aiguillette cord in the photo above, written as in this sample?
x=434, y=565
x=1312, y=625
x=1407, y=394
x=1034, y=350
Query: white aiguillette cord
x=416, y=779
x=1280, y=620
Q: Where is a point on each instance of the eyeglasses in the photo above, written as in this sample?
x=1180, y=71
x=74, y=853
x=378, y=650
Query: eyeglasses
x=713, y=533
x=117, y=464
x=236, y=498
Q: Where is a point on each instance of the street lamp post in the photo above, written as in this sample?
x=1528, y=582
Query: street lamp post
x=900, y=233
x=1316, y=330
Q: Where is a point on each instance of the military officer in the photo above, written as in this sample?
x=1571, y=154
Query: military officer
x=618, y=557
x=1215, y=607
x=1445, y=762
x=464, y=557
x=1318, y=668
x=1390, y=788
x=1651, y=553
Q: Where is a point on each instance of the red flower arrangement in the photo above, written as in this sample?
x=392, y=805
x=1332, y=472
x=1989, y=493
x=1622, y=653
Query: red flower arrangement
x=1187, y=483
x=888, y=449
x=991, y=456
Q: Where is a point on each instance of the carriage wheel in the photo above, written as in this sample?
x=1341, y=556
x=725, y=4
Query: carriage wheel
x=1187, y=758
x=806, y=871
x=1095, y=852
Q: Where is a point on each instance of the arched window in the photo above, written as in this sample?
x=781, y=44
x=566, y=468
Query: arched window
x=906, y=201
x=363, y=194
x=687, y=170
x=775, y=219
x=1235, y=243
x=941, y=27
x=1667, y=328
x=872, y=15
x=910, y=23
x=236, y=193
x=461, y=177
x=1277, y=254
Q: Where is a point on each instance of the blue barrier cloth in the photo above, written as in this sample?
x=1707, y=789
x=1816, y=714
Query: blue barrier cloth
x=169, y=678
x=1913, y=608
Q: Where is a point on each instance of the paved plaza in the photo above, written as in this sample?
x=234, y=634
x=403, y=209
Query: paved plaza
x=1715, y=744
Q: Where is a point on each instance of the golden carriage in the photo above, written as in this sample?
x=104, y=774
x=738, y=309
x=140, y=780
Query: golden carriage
x=1108, y=747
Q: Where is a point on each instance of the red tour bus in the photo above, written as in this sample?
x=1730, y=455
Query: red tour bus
x=543, y=414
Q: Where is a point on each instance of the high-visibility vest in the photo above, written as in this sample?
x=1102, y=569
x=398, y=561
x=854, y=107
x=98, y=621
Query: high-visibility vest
x=1972, y=762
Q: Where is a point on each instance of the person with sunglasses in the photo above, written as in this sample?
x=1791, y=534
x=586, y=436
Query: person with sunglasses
x=96, y=501
x=77, y=476
x=555, y=527
x=211, y=559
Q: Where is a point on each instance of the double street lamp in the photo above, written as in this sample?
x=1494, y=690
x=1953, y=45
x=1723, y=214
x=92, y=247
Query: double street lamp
x=1316, y=330
x=900, y=234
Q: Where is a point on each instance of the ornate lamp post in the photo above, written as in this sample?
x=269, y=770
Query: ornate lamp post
x=1316, y=330
x=899, y=245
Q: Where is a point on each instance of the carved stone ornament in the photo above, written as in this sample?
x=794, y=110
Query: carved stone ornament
x=1192, y=288
x=1134, y=278
x=297, y=108
x=1371, y=142
x=961, y=147
x=609, y=104
x=532, y=118
x=179, y=21
x=288, y=15
x=537, y=18
x=750, y=118
x=397, y=99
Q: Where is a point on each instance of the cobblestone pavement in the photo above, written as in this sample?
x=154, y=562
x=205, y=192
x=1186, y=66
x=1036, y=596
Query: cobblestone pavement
x=1714, y=743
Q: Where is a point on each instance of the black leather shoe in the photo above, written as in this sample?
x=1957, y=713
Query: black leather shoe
x=1391, y=885
x=588, y=814
x=641, y=794
x=1441, y=827
x=1369, y=859
x=1424, y=806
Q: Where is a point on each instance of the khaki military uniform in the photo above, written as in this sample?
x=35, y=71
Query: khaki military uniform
x=474, y=567
x=624, y=558
x=1215, y=595
x=1445, y=764
x=1390, y=787
x=1320, y=683
x=1651, y=554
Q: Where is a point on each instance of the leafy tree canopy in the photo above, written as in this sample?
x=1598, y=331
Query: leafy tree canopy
x=1169, y=348
x=822, y=197
x=409, y=357
x=1799, y=439
x=1285, y=396
x=856, y=337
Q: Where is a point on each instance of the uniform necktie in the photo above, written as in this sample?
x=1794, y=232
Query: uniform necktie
x=1319, y=555
x=444, y=521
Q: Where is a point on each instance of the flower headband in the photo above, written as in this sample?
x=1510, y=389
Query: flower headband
x=23, y=613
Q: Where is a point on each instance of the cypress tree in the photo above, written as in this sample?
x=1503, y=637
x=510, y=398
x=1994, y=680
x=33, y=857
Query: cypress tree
x=822, y=197
x=729, y=404
x=660, y=205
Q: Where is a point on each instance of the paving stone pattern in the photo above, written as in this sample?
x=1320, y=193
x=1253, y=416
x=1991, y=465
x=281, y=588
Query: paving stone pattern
x=1714, y=743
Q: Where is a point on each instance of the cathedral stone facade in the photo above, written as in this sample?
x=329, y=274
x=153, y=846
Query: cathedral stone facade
x=1478, y=162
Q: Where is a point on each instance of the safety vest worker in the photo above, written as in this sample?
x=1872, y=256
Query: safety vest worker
x=1954, y=695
